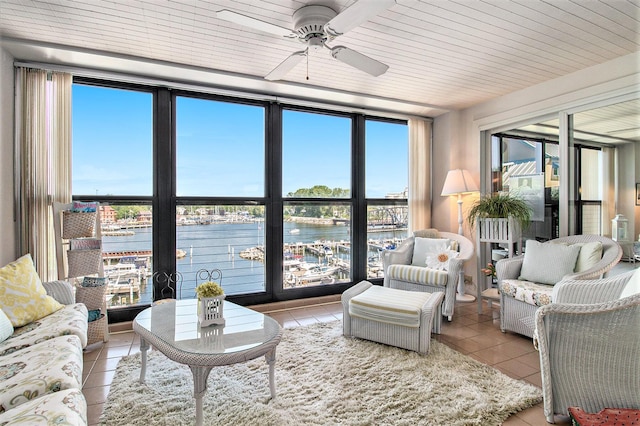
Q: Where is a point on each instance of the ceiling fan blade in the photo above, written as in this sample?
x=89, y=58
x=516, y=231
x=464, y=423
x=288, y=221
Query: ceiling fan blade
x=285, y=66
x=358, y=60
x=257, y=24
x=355, y=15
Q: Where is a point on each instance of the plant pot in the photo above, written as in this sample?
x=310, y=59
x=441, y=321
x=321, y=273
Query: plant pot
x=500, y=230
x=210, y=311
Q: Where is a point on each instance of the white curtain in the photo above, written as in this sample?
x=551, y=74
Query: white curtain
x=419, y=174
x=43, y=160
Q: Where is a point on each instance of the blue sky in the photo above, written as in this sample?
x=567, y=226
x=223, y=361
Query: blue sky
x=220, y=148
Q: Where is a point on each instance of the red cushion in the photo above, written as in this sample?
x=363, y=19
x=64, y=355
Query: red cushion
x=606, y=417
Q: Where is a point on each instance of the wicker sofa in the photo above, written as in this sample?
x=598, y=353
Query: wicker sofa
x=521, y=297
x=589, y=345
x=42, y=365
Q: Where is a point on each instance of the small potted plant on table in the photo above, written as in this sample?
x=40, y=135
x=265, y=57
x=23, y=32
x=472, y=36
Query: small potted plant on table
x=210, y=304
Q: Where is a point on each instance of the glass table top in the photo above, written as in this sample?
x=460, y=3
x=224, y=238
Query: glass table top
x=176, y=323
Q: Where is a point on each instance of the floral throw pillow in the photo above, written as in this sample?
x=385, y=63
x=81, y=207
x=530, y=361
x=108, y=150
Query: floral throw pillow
x=440, y=259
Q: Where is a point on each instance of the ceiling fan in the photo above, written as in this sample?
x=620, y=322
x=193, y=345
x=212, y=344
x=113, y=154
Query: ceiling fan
x=315, y=26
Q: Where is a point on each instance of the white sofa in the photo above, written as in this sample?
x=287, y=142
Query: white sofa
x=41, y=366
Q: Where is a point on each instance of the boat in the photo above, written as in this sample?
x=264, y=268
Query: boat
x=311, y=274
x=294, y=231
x=327, y=251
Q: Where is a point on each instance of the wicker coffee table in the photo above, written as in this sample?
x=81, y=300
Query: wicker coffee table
x=172, y=328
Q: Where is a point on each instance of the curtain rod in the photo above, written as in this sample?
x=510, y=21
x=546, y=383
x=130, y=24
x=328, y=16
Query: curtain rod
x=217, y=90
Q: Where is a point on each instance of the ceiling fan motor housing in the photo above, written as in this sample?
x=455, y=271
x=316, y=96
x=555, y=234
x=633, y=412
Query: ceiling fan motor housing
x=309, y=22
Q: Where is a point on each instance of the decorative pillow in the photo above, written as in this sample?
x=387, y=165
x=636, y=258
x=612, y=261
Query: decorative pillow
x=590, y=254
x=424, y=246
x=94, y=281
x=547, y=263
x=633, y=285
x=427, y=233
x=23, y=298
x=440, y=259
x=6, y=328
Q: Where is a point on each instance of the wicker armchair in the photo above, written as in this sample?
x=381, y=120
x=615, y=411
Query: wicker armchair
x=517, y=315
x=589, y=341
x=420, y=282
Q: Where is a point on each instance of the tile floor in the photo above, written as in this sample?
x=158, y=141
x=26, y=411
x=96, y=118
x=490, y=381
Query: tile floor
x=473, y=334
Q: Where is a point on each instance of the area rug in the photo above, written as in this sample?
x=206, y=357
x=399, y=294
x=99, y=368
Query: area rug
x=323, y=378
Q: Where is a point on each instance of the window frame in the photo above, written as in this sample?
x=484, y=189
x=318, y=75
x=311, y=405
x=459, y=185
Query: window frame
x=164, y=199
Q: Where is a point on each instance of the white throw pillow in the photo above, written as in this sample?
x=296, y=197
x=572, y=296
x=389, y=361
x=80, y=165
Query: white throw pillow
x=633, y=285
x=590, y=254
x=6, y=328
x=425, y=246
x=548, y=263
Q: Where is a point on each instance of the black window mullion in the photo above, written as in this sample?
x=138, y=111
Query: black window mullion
x=274, y=216
x=164, y=187
x=359, y=213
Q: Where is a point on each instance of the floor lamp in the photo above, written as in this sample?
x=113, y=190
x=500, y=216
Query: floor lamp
x=460, y=182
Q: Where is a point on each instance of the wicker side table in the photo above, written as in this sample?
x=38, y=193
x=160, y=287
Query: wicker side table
x=93, y=299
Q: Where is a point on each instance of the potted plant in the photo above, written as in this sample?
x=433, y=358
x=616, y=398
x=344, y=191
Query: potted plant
x=500, y=216
x=210, y=303
x=500, y=205
x=209, y=289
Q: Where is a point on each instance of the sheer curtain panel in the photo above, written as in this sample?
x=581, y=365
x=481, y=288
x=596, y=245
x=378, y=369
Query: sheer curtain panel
x=43, y=154
x=419, y=174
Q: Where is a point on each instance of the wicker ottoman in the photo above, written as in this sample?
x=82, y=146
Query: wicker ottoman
x=400, y=318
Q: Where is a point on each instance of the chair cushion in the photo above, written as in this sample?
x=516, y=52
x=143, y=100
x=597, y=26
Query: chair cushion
x=548, y=263
x=528, y=292
x=72, y=319
x=67, y=407
x=389, y=305
x=22, y=295
x=422, y=247
x=47, y=367
x=418, y=274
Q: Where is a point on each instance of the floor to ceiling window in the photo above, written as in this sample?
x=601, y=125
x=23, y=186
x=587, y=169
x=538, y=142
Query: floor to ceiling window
x=285, y=202
x=386, y=183
x=220, y=185
x=316, y=175
x=112, y=162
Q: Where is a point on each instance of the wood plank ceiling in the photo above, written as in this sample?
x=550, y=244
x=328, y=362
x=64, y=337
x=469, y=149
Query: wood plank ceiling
x=442, y=55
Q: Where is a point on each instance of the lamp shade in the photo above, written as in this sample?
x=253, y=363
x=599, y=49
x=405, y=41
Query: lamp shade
x=459, y=181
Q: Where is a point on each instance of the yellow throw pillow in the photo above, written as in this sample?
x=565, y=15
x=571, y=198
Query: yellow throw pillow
x=22, y=296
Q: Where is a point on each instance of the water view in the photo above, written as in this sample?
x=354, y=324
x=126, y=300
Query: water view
x=313, y=255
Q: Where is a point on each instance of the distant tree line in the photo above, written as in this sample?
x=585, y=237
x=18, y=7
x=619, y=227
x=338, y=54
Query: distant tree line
x=307, y=210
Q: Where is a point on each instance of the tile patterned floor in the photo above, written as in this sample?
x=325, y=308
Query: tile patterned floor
x=476, y=335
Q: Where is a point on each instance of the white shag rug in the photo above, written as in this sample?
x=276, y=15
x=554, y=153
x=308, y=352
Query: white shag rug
x=322, y=378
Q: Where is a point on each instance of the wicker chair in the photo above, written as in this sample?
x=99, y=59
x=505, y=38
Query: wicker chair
x=403, y=256
x=589, y=345
x=517, y=315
